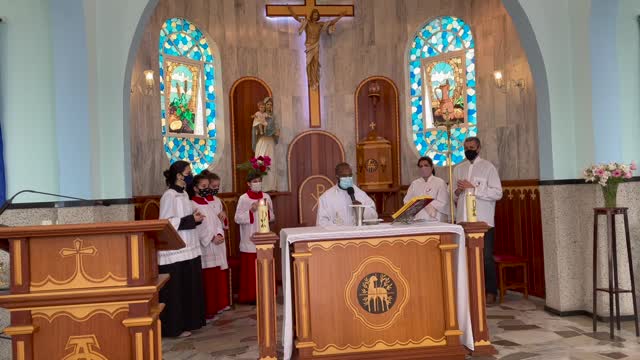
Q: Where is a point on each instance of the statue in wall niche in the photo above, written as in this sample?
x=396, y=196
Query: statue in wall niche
x=264, y=138
x=313, y=27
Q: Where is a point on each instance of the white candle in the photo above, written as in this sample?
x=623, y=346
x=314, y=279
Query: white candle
x=472, y=216
x=263, y=216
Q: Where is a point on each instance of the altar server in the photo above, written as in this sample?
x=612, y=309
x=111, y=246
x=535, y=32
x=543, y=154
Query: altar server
x=183, y=294
x=212, y=244
x=333, y=205
x=429, y=184
x=480, y=177
x=247, y=217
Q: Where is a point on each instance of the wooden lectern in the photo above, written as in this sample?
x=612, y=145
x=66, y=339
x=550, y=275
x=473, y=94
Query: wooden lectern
x=87, y=291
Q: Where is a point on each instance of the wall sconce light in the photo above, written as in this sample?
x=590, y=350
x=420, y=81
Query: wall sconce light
x=500, y=83
x=148, y=79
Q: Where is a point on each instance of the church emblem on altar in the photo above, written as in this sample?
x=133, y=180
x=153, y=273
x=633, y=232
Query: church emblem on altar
x=84, y=348
x=377, y=293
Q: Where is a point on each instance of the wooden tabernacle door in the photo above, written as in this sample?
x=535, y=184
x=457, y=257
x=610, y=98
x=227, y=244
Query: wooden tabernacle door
x=87, y=291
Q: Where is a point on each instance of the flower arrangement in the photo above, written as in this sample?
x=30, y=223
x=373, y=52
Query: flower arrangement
x=609, y=176
x=260, y=165
x=179, y=107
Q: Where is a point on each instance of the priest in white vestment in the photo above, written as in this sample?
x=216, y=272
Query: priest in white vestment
x=333, y=205
x=431, y=185
x=480, y=177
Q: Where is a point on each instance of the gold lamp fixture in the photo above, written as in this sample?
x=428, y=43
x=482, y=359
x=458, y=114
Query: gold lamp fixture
x=499, y=80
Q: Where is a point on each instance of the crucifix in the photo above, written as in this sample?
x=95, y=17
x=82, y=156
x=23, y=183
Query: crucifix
x=308, y=15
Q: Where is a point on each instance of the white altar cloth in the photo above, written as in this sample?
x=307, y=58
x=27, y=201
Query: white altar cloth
x=292, y=235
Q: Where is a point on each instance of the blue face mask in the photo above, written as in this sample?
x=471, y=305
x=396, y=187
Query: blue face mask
x=346, y=182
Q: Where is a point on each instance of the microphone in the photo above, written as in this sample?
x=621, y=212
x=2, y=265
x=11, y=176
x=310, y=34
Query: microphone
x=7, y=203
x=350, y=191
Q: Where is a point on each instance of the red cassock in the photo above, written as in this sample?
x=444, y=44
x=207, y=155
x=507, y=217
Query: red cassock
x=247, y=293
x=216, y=288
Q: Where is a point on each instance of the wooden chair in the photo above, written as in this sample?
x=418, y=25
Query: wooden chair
x=505, y=262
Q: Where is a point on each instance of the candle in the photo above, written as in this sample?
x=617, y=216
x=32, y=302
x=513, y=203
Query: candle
x=472, y=216
x=263, y=217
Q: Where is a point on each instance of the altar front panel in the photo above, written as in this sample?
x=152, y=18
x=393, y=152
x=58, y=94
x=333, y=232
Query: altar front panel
x=375, y=295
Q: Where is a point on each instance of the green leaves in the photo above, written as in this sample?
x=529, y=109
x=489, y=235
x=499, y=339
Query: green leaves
x=181, y=106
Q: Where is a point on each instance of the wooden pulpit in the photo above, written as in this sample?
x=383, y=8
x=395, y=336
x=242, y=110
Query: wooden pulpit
x=87, y=291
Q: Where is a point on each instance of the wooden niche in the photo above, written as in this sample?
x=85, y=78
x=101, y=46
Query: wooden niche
x=378, y=141
x=244, y=96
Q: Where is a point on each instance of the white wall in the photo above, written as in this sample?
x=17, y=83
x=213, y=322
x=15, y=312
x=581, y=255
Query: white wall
x=26, y=97
x=629, y=68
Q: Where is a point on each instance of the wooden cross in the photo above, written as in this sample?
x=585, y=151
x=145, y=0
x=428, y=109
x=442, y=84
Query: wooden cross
x=305, y=11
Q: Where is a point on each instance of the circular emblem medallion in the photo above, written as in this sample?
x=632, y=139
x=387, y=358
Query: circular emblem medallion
x=377, y=293
x=371, y=165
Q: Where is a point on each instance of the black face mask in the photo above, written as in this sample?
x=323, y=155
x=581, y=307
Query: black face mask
x=188, y=180
x=206, y=192
x=214, y=192
x=471, y=154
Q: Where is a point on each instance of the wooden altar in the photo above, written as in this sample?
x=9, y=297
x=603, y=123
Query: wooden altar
x=367, y=294
x=87, y=291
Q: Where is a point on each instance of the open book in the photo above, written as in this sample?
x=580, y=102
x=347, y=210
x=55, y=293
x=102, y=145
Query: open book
x=411, y=208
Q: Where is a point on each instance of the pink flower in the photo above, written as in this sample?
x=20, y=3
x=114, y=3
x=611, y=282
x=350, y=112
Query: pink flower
x=616, y=173
x=599, y=172
x=628, y=175
x=263, y=168
x=253, y=160
x=633, y=166
x=255, y=166
x=267, y=161
x=260, y=158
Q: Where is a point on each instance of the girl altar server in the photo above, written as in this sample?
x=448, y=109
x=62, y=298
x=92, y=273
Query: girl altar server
x=431, y=185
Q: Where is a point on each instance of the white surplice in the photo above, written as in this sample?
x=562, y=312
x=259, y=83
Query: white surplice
x=213, y=255
x=290, y=236
x=334, y=209
x=488, y=189
x=248, y=220
x=173, y=207
x=437, y=189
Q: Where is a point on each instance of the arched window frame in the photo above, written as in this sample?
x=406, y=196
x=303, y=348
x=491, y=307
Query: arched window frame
x=438, y=40
x=181, y=40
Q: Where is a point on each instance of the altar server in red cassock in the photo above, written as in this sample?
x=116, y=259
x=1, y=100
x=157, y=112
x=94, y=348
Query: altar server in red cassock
x=247, y=217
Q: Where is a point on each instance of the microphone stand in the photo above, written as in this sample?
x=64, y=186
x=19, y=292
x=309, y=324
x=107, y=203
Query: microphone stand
x=8, y=203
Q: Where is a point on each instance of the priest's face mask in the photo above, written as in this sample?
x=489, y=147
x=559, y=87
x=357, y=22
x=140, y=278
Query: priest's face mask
x=344, y=174
x=471, y=149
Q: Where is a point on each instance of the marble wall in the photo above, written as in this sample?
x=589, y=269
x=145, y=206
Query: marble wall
x=374, y=42
x=567, y=225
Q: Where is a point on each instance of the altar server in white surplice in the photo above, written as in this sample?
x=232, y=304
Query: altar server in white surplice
x=333, y=205
x=480, y=177
x=429, y=184
x=247, y=217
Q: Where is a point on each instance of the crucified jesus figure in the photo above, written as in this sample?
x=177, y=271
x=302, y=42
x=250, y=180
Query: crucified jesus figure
x=313, y=27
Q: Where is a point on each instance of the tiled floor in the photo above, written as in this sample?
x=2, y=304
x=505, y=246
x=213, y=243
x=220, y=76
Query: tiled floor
x=520, y=329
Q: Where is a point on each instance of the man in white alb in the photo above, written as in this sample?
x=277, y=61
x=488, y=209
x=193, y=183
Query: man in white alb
x=480, y=177
x=333, y=205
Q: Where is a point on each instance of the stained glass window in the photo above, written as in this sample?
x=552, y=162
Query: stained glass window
x=442, y=78
x=187, y=94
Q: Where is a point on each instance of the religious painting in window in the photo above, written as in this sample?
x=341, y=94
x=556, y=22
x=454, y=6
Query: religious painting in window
x=188, y=96
x=442, y=78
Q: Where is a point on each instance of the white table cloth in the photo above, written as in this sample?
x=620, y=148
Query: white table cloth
x=290, y=236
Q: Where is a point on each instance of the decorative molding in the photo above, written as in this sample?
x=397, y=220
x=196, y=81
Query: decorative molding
x=139, y=321
x=374, y=242
x=379, y=345
x=20, y=330
x=81, y=313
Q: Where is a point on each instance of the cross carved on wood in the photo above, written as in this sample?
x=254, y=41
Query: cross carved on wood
x=305, y=14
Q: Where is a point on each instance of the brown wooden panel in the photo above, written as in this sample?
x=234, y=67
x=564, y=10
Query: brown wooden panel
x=244, y=96
x=98, y=333
x=518, y=231
x=386, y=116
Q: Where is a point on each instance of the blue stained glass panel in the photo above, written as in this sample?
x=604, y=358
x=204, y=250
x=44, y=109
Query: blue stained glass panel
x=181, y=38
x=442, y=35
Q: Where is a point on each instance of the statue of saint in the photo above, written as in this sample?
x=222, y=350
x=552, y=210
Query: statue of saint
x=313, y=27
x=264, y=142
